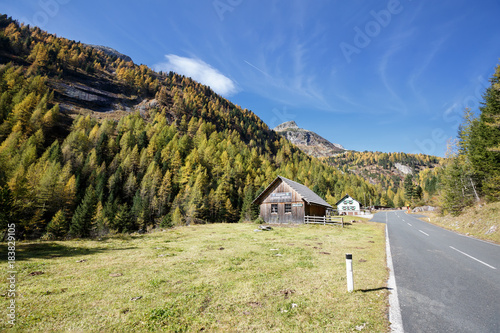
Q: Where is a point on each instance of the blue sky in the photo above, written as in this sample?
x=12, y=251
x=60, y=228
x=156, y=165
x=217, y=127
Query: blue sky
x=371, y=75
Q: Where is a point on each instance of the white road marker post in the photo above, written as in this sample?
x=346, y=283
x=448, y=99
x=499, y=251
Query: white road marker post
x=348, y=265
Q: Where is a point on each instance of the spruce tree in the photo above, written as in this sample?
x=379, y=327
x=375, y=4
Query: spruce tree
x=409, y=188
x=123, y=221
x=82, y=218
x=453, y=197
x=247, y=211
x=485, y=140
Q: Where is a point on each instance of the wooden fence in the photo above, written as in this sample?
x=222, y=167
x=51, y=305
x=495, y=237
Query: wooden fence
x=324, y=220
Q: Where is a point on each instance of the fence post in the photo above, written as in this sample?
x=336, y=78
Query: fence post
x=342, y=220
x=348, y=264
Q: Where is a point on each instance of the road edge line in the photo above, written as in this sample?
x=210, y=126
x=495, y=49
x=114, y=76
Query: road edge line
x=468, y=255
x=455, y=232
x=395, y=318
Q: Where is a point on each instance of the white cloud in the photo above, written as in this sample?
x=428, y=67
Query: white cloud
x=199, y=71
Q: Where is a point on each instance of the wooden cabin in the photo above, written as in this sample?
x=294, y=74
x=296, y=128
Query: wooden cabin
x=348, y=206
x=286, y=201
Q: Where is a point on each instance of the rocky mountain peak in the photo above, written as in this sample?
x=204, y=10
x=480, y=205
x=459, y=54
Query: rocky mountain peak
x=308, y=141
x=287, y=125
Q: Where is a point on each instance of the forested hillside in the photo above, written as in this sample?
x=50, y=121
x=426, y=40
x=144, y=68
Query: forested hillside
x=409, y=179
x=91, y=144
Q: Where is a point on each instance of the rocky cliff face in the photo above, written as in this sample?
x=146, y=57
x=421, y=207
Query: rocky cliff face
x=308, y=141
x=404, y=169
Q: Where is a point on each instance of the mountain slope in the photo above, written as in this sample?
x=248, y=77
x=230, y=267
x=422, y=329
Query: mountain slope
x=308, y=141
x=110, y=51
x=91, y=144
x=388, y=171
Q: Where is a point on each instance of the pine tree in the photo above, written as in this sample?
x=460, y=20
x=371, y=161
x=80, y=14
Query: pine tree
x=123, y=221
x=165, y=193
x=140, y=212
x=230, y=213
x=177, y=218
x=418, y=192
x=453, y=193
x=70, y=192
x=58, y=226
x=130, y=186
x=409, y=188
x=484, y=142
x=247, y=210
x=100, y=223
x=81, y=222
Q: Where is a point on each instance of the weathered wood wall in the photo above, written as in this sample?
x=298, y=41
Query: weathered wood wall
x=282, y=194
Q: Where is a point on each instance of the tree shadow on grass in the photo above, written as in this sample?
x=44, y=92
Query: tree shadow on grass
x=49, y=250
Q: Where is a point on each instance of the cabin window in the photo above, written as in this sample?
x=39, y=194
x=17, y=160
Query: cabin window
x=288, y=208
x=274, y=208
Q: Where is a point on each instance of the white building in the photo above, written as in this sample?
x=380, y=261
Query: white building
x=348, y=206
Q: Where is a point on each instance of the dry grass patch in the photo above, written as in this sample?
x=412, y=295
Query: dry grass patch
x=217, y=277
x=481, y=221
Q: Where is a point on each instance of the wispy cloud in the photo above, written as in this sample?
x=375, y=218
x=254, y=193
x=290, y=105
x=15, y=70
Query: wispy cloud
x=286, y=74
x=383, y=72
x=199, y=71
x=257, y=68
x=427, y=60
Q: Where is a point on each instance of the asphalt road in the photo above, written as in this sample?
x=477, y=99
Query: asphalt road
x=446, y=282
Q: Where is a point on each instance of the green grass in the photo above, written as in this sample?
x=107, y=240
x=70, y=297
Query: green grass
x=217, y=277
x=478, y=221
x=351, y=218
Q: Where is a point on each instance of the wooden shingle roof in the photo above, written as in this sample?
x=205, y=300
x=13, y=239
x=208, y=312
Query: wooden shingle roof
x=307, y=194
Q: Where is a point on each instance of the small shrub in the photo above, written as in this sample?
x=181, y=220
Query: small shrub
x=166, y=222
x=48, y=236
x=260, y=220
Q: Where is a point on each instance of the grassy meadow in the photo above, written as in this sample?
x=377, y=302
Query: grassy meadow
x=212, y=278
